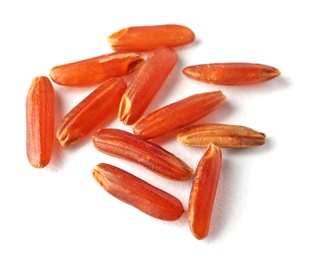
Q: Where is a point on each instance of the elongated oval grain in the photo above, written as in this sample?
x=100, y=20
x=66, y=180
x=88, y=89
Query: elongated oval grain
x=145, y=38
x=125, y=145
x=222, y=135
x=40, y=116
x=234, y=73
x=91, y=112
x=138, y=193
x=96, y=70
x=203, y=192
x=178, y=114
x=146, y=83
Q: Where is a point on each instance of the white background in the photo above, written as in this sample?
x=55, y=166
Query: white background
x=266, y=202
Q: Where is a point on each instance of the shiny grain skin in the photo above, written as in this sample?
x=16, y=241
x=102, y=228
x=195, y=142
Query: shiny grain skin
x=203, y=191
x=146, y=38
x=222, y=135
x=145, y=84
x=40, y=116
x=125, y=145
x=96, y=70
x=235, y=73
x=91, y=112
x=178, y=114
x=138, y=193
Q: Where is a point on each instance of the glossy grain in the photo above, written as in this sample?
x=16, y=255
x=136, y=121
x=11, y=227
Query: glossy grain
x=203, y=192
x=138, y=193
x=178, y=114
x=232, y=73
x=96, y=70
x=91, y=112
x=146, y=38
x=125, y=145
x=40, y=116
x=145, y=84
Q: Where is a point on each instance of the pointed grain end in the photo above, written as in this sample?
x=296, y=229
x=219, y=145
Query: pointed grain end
x=270, y=73
x=192, y=72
